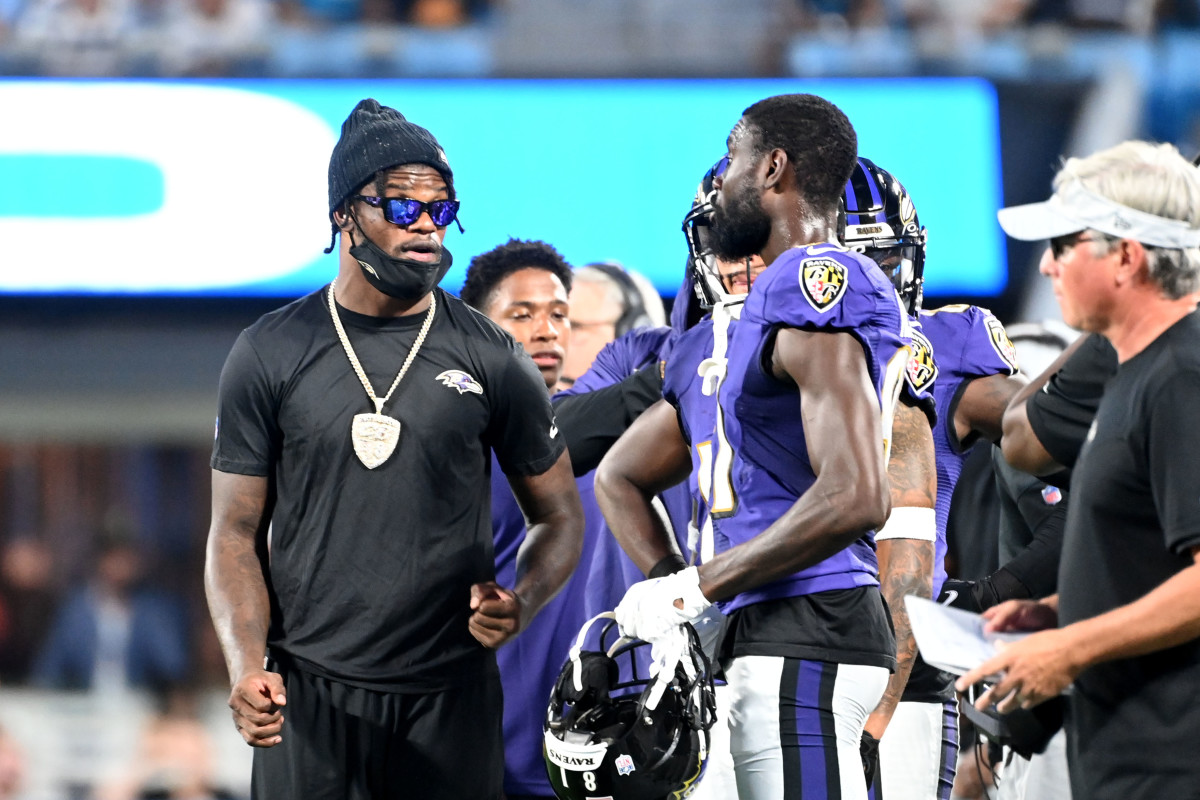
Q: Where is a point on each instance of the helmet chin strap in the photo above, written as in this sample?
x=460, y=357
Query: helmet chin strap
x=577, y=648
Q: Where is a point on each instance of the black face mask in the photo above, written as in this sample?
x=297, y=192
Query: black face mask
x=401, y=278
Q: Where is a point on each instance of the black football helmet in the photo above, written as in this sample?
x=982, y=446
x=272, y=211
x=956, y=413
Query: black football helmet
x=881, y=223
x=702, y=264
x=607, y=737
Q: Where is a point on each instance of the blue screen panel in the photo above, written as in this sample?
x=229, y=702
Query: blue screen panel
x=219, y=188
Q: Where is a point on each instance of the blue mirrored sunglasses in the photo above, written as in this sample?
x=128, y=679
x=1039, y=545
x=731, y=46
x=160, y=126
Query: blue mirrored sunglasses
x=405, y=211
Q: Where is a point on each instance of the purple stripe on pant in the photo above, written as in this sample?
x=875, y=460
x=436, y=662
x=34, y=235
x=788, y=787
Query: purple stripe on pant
x=946, y=763
x=807, y=734
x=949, y=749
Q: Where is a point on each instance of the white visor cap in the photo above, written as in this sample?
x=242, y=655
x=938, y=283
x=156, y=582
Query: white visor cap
x=1074, y=208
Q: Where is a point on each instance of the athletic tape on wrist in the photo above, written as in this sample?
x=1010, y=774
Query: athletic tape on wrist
x=909, y=522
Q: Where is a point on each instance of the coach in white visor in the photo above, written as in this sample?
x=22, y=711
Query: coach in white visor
x=1074, y=208
x=1124, y=627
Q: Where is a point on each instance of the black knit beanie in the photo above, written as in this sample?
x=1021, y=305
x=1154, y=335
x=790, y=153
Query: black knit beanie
x=374, y=138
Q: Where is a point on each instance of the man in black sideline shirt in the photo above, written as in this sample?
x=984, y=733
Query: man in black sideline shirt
x=1124, y=231
x=351, y=541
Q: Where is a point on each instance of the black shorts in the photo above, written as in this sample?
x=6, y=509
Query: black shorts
x=344, y=742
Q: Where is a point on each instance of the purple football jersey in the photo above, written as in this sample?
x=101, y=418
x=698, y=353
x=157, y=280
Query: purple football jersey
x=820, y=288
x=697, y=412
x=620, y=358
x=955, y=344
x=530, y=663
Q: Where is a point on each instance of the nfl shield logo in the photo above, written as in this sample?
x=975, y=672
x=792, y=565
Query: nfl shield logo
x=822, y=281
x=624, y=765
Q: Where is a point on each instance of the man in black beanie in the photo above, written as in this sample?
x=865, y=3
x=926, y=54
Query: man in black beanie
x=350, y=572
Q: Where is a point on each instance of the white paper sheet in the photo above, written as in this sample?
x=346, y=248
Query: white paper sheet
x=950, y=638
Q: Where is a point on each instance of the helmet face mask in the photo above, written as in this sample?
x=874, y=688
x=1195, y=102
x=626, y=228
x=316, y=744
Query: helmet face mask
x=882, y=224
x=702, y=263
x=604, y=737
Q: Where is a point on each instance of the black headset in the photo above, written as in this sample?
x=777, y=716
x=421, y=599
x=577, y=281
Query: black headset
x=634, y=314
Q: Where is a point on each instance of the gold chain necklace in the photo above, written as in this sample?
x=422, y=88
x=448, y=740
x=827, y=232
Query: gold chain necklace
x=375, y=435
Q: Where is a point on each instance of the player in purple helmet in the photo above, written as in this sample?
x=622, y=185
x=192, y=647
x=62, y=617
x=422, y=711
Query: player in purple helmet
x=962, y=355
x=804, y=384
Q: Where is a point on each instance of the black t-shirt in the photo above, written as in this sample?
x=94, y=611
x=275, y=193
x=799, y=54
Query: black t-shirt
x=371, y=569
x=1134, y=516
x=1061, y=413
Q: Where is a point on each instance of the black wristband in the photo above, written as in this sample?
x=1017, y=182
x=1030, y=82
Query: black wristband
x=668, y=566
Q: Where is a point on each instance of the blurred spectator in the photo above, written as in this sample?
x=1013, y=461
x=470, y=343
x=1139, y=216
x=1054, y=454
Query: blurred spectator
x=9, y=10
x=76, y=37
x=27, y=604
x=213, y=37
x=12, y=767
x=439, y=13
x=1178, y=13
x=1132, y=15
x=112, y=633
x=175, y=760
x=1136, y=16
x=841, y=14
x=325, y=13
x=332, y=38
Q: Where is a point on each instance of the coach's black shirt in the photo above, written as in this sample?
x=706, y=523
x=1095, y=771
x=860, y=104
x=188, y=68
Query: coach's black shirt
x=1135, y=513
x=371, y=569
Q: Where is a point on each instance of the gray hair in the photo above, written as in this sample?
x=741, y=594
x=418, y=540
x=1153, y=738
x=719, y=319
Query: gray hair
x=613, y=292
x=1156, y=179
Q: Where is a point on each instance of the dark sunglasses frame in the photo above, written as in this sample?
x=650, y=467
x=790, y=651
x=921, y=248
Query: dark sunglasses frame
x=404, y=211
x=1059, y=245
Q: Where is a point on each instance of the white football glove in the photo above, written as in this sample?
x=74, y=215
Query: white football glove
x=665, y=653
x=648, y=611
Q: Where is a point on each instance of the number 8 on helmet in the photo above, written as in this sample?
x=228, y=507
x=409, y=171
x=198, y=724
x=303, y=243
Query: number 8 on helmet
x=605, y=737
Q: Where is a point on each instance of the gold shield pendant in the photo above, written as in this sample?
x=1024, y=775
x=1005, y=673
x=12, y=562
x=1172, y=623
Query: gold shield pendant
x=375, y=437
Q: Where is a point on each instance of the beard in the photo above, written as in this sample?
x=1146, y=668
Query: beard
x=740, y=227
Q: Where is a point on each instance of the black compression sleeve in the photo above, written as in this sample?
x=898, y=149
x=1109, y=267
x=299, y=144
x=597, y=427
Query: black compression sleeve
x=1033, y=520
x=591, y=422
x=1036, y=567
x=668, y=566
